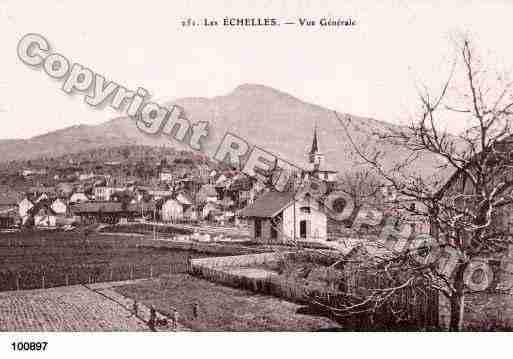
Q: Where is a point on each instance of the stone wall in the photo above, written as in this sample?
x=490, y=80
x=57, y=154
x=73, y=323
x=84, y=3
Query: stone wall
x=238, y=261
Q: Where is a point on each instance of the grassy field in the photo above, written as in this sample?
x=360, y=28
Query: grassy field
x=144, y=228
x=61, y=249
x=72, y=258
x=221, y=308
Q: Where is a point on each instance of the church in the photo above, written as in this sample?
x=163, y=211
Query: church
x=316, y=166
x=277, y=217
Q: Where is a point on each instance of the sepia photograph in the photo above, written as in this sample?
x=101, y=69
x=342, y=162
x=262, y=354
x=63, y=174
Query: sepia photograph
x=227, y=175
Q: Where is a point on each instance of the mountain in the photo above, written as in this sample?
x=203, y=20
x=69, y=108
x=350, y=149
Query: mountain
x=268, y=118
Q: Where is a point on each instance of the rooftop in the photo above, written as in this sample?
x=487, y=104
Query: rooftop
x=111, y=207
x=268, y=205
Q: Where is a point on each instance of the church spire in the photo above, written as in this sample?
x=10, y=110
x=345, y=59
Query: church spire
x=315, y=147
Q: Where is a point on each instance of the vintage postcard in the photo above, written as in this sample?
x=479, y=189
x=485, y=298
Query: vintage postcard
x=274, y=166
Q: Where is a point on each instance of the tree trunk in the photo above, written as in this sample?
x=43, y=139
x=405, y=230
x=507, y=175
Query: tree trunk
x=458, y=300
x=457, y=309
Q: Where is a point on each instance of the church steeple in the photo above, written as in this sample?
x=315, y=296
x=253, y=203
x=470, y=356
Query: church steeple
x=316, y=162
x=315, y=147
x=315, y=158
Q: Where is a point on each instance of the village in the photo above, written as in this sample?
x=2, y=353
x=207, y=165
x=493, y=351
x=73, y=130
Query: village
x=156, y=202
x=259, y=179
x=187, y=191
x=370, y=226
x=246, y=228
x=255, y=233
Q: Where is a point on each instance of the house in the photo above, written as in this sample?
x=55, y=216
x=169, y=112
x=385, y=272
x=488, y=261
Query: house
x=227, y=203
x=7, y=219
x=64, y=189
x=401, y=207
x=222, y=184
x=8, y=208
x=189, y=184
x=122, y=196
x=32, y=172
x=184, y=199
x=24, y=206
x=59, y=206
x=103, y=193
x=203, y=171
x=86, y=176
x=41, y=197
x=207, y=193
x=165, y=176
x=110, y=212
x=239, y=190
x=172, y=210
x=255, y=191
x=158, y=193
x=212, y=177
x=143, y=208
x=37, y=191
x=223, y=217
x=9, y=201
x=209, y=210
x=43, y=214
x=78, y=197
x=281, y=216
x=189, y=209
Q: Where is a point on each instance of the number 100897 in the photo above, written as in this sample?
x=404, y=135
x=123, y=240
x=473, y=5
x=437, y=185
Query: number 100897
x=29, y=346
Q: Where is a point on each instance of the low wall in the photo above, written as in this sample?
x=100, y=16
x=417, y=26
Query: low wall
x=272, y=285
x=269, y=256
x=211, y=248
x=237, y=261
x=215, y=269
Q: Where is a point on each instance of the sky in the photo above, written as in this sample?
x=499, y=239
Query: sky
x=372, y=69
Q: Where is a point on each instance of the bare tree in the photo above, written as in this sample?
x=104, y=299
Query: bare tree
x=363, y=186
x=467, y=209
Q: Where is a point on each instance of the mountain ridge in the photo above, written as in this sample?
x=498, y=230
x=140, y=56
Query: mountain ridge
x=268, y=118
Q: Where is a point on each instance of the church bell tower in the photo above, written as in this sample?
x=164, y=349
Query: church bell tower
x=315, y=158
